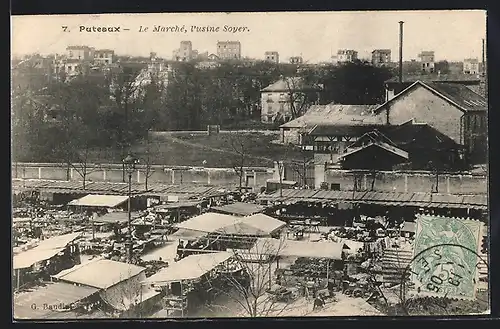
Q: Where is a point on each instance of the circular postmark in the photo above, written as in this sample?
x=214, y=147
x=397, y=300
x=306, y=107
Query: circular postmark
x=443, y=279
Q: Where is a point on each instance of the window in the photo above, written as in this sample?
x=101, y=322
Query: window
x=335, y=187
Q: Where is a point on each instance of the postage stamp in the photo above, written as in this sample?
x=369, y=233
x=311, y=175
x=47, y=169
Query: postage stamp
x=446, y=257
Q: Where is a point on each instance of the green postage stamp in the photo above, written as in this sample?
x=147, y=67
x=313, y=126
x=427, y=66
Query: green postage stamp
x=446, y=255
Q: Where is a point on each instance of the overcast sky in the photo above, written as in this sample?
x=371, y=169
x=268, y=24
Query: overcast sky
x=453, y=35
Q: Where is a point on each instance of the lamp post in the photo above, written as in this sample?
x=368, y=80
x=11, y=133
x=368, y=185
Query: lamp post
x=130, y=163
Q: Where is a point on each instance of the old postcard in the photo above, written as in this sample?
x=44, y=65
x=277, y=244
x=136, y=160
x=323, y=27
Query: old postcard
x=249, y=165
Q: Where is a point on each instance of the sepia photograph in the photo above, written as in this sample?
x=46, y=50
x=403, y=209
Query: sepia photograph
x=248, y=165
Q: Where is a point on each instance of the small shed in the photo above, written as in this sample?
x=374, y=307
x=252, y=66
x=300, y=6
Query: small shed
x=100, y=201
x=119, y=283
x=374, y=155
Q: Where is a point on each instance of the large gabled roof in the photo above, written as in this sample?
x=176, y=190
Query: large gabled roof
x=459, y=95
x=336, y=114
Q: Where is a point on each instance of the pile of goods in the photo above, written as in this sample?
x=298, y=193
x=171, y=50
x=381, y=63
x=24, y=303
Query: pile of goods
x=311, y=267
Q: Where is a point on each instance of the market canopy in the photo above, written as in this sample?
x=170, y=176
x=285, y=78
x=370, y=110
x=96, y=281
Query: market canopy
x=290, y=248
x=116, y=217
x=46, y=249
x=255, y=225
x=403, y=199
x=189, y=268
x=59, y=293
x=239, y=209
x=208, y=222
x=99, y=200
x=100, y=273
x=183, y=234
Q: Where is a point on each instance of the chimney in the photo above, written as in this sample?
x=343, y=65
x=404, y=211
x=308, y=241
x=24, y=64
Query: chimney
x=483, y=60
x=401, y=52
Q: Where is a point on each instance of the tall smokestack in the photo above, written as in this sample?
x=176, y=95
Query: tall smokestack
x=483, y=60
x=401, y=51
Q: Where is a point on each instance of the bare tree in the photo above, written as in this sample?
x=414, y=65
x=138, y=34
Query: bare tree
x=241, y=147
x=300, y=95
x=250, y=291
x=124, y=87
x=80, y=163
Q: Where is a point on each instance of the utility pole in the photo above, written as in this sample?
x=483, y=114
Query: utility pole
x=401, y=52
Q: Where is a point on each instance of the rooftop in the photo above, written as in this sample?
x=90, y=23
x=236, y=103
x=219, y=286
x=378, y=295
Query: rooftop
x=46, y=249
x=436, y=77
x=50, y=294
x=100, y=273
x=208, y=222
x=99, y=200
x=189, y=268
x=459, y=95
x=336, y=114
x=239, y=208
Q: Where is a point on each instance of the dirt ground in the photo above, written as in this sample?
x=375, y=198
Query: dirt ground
x=343, y=306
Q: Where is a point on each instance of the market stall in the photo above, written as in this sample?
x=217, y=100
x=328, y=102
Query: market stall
x=315, y=262
x=187, y=283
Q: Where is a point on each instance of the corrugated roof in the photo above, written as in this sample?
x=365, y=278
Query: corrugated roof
x=462, y=95
x=428, y=77
x=343, y=130
x=208, y=222
x=337, y=114
x=290, y=248
x=99, y=200
x=59, y=293
x=417, y=199
x=46, y=249
x=101, y=273
x=189, y=268
x=240, y=208
x=459, y=95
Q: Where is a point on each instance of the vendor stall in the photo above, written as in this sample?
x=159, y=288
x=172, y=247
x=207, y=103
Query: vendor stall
x=315, y=261
x=185, y=282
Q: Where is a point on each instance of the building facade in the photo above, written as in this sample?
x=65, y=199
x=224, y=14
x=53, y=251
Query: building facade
x=285, y=98
x=82, y=53
x=229, y=50
x=272, y=56
x=296, y=60
x=452, y=109
x=104, y=56
x=184, y=53
x=346, y=55
x=427, y=63
x=471, y=66
x=381, y=57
